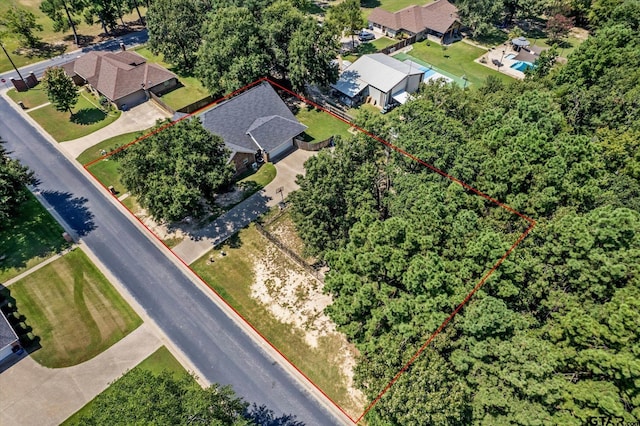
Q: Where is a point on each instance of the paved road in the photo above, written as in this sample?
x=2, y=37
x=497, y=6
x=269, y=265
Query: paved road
x=130, y=40
x=214, y=343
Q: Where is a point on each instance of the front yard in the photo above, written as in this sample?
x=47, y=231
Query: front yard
x=29, y=237
x=285, y=304
x=73, y=310
x=87, y=118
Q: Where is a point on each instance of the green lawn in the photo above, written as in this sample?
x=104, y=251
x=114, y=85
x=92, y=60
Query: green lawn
x=159, y=361
x=73, y=309
x=457, y=60
x=191, y=91
x=31, y=98
x=232, y=276
x=106, y=171
x=321, y=125
x=370, y=47
x=108, y=145
x=87, y=119
x=262, y=177
x=29, y=237
x=390, y=5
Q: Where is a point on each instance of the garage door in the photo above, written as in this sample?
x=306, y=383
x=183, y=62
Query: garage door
x=281, y=150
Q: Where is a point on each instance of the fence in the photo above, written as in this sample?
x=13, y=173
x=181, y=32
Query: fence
x=286, y=250
x=155, y=98
x=196, y=105
x=312, y=146
x=403, y=43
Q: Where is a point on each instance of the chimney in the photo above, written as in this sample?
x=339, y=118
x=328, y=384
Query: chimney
x=122, y=46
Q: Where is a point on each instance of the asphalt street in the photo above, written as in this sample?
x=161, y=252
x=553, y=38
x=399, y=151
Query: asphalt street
x=214, y=343
x=130, y=40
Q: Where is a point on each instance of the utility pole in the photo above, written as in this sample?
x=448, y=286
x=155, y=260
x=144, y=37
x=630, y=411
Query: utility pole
x=10, y=60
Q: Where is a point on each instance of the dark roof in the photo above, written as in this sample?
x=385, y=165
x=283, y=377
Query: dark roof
x=118, y=74
x=7, y=335
x=255, y=119
x=438, y=16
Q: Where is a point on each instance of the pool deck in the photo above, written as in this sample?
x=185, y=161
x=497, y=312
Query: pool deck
x=497, y=54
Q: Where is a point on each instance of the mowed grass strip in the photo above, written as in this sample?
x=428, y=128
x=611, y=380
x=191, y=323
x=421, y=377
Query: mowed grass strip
x=158, y=362
x=108, y=145
x=87, y=119
x=232, y=277
x=31, y=98
x=73, y=309
x=29, y=237
x=321, y=125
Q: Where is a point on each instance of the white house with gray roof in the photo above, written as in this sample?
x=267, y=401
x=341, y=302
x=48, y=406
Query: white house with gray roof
x=378, y=79
x=255, y=124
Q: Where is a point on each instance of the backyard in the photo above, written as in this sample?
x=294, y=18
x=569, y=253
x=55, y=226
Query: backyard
x=390, y=5
x=320, y=124
x=191, y=90
x=254, y=270
x=87, y=118
x=457, y=59
x=370, y=47
x=29, y=237
x=72, y=309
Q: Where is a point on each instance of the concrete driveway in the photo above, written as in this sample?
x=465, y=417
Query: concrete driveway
x=246, y=212
x=140, y=117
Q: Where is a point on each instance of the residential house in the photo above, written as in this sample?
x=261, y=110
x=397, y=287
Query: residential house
x=9, y=343
x=439, y=19
x=123, y=77
x=378, y=79
x=256, y=126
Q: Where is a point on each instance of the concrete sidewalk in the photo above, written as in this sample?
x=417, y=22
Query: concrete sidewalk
x=246, y=212
x=33, y=394
x=140, y=117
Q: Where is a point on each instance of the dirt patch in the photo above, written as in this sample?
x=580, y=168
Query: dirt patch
x=296, y=298
x=579, y=33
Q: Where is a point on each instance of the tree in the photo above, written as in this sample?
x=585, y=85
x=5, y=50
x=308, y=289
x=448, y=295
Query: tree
x=175, y=30
x=558, y=27
x=173, y=171
x=22, y=23
x=543, y=64
x=61, y=90
x=346, y=16
x=142, y=397
x=106, y=12
x=13, y=178
x=480, y=15
x=232, y=53
x=312, y=51
x=62, y=22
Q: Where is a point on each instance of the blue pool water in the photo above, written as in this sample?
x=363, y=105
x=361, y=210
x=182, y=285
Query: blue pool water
x=522, y=66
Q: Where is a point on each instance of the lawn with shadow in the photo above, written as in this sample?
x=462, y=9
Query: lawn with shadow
x=29, y=237
x=87, y=118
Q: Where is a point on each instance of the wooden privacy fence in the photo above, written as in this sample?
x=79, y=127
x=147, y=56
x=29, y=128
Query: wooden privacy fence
x=312, y=146
x=403, y=43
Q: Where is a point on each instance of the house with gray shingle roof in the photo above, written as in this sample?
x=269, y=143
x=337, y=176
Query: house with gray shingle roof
x=439, y=18
x=255, y=125
x=122, y=77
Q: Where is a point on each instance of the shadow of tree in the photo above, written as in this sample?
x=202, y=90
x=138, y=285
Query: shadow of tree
x=263, y=416
x=73, y=211
x=83, y=40
x=29, y=342
x=88, y=116
x=44, y=50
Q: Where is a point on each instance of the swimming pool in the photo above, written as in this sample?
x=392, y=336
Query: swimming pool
x=522, y=66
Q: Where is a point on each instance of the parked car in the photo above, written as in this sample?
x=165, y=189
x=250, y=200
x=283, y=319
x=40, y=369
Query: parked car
x=365, y=36
x=388, y=107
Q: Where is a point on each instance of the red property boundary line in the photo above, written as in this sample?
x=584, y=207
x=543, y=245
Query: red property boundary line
x=481, y=282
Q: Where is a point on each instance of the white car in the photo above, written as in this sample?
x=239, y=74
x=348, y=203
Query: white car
x=366, y=36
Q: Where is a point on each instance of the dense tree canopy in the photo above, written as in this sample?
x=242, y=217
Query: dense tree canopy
x=13, y=178
x=142, y=397
x=553, y=335
x=173, y=172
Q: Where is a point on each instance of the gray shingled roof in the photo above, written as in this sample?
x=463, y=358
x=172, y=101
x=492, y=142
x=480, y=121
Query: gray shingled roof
x=7, y=335
x=255, y=119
